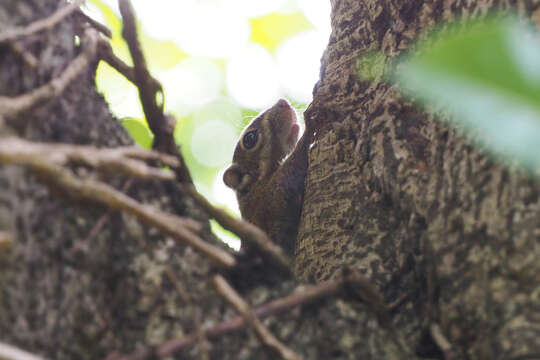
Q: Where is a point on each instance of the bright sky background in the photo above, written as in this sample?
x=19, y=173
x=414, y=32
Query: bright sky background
x=220, y=62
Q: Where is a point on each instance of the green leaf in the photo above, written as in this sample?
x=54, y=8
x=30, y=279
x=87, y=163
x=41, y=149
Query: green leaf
x=489, y=76
x=139, y=132
x=270, y=30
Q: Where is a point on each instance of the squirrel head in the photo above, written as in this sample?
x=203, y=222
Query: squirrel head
x=264, y=144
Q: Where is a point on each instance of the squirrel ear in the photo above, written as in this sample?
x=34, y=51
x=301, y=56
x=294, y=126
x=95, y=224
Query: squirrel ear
x=232, y=176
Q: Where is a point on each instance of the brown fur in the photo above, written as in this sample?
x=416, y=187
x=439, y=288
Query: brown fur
x=269, y=184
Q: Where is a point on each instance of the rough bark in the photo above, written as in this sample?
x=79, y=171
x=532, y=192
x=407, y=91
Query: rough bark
x=409, y=202
x=81, y=281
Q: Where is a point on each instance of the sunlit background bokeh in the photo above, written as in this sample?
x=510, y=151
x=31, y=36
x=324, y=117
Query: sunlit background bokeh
x=220, y=62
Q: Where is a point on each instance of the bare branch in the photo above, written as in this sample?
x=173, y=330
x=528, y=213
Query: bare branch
x=106, y=54
x=245, y=230
x=442, y=342
x=8, y=352
x=40, y=25
x=96, y=25
x=150, y=91
x=264, y=335
x=11, y=106
x=6, y=240
x=28, y=58
x=61, y=179
x=123, y=160
x=352, y=280
x=303, y=295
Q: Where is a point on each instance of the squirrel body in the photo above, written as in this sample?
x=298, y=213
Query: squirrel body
x=268, y=172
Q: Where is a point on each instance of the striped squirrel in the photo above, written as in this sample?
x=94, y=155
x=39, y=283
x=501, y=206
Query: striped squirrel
x=268, y=173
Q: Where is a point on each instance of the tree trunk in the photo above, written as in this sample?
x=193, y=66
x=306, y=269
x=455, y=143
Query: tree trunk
x=409, y=202
x=392, y=192
x=81, y=280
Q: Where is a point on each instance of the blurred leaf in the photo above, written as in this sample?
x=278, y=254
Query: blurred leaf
x=226, y=236
x=373, y=66
x=110, y=80
x=139, y=132
x=161, y=54
x=489, y=76
x=272, y=29
x=113, y=21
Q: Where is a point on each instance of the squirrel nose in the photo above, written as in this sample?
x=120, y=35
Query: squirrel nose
x=283, y=103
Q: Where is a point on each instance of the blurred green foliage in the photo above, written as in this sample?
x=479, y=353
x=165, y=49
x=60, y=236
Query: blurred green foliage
x=268, y=31
x=488, y=75
x=272, y=29
x=139, y=131
x=213, y=147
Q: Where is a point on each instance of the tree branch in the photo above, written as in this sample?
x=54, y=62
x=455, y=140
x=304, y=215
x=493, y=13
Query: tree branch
x=61, y=179
x=150, y=90
x=6, y=240
x=11, y=106
x=264, y=335
x=40, y=25
x=443, y=343
x=245, y=230
x=106, y=54
x=96, y=25
x=8, y=352
x=302, y=296
x=123, y=160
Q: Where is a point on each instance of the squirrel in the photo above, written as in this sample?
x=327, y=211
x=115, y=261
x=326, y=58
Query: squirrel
x=268, y=171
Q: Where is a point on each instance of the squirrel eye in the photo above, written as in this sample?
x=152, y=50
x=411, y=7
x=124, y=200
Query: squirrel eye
x=250, y=139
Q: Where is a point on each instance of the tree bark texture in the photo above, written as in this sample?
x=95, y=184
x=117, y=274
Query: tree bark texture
x=80, y=280
x=410, y=202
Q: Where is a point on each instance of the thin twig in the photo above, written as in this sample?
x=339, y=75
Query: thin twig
x=28, y=57
x=61, y=179
x=442, y=342
x=40, y=25
x=439, y=338
x=150, y=91
x=303, y=295
x=106, y=54
x=122, y=160
x=8, y=352
x=352, y=280
x=6, y=240
x=264, y=335
x=396, y=303
x=147, y=89
x=82, y=246
x=11, y=106
x=362, y=287
x=245, y=230
x=96, y=25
